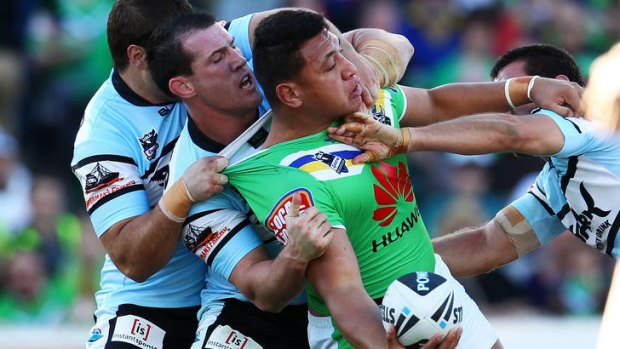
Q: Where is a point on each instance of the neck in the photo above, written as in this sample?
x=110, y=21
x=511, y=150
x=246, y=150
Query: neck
x=220, y=127
x=140, y=83
x=290, y=124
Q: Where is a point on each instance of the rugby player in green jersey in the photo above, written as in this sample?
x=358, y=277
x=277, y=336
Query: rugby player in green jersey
x=378, y=232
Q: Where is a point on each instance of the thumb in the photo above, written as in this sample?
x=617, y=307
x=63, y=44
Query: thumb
x=362, y=158
x=566, y=111
x=294, y=211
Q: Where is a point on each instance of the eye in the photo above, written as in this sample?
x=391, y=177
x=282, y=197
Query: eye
x=217, y=58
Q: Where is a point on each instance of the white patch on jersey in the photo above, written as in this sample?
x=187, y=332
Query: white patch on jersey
x=139, y=332
x=225, y=337
x=205, y=233
x=102, y=178
x=593, y=195
x=329, y=162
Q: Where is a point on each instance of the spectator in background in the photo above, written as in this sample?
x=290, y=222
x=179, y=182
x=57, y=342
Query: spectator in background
x=15, y=184
x=29, y=297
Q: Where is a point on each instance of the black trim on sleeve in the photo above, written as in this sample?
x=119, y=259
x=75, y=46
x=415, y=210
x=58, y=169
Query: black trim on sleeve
x=199, y=214
x=114, y=195
x=103, y=157
x=544, y=204
x=227, y=238
x=571, y=169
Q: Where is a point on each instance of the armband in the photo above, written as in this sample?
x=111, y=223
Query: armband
x=517, y=229
x=176, y=202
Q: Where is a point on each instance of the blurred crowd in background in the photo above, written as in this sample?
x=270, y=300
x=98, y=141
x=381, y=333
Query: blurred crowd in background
x=54, y=56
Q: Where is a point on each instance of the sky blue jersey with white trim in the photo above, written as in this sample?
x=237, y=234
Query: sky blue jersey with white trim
x=579, y=187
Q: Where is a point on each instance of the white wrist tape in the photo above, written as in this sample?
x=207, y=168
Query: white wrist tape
x=530, y=86
x=507, y=93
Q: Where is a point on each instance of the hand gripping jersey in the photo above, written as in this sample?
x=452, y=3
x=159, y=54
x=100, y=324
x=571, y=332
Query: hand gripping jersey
x=374, y=202
x=578, y=189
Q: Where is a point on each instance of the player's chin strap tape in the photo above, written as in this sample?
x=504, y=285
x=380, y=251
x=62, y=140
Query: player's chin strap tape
x=517, y=229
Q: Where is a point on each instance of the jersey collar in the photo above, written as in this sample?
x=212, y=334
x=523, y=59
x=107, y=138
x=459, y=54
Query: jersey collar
x=128, y=94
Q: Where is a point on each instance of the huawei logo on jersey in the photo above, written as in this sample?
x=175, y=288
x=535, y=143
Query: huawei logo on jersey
x=394, y=185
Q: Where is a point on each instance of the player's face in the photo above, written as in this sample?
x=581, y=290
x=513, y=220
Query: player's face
x=328, y=80
x=514, y=70
x=221, y=76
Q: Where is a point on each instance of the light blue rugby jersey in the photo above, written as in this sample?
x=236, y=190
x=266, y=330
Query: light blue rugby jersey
x=121, y=157
x=578, y=189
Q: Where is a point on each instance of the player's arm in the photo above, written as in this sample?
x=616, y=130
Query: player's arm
x=448, y=101
x=140, y=246
x=336, y=276
x=476, y=134
x=473, y=251
x=272, y=284
x=490, y=133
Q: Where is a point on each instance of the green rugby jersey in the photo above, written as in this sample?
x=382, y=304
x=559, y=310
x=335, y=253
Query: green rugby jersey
x=373, y=202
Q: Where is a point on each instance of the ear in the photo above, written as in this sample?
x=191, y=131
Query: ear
x=137, y=56
x=181, y=87
x=562, y=77
x=289, y=95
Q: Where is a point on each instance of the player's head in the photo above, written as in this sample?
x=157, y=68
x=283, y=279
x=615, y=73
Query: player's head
x=131, y=22
x=194, y=58
x=539, y=59
x=299, y=64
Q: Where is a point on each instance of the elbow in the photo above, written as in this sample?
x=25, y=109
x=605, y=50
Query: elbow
x=269, y=306
x=133, y=272
x=135, y=275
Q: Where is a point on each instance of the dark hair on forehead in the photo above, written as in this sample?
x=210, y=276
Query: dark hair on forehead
x=278, y=40
x=166, y=55
x=131, y=22
x=541, y=59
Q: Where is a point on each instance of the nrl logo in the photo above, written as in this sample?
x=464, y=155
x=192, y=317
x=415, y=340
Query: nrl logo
x=149, y=144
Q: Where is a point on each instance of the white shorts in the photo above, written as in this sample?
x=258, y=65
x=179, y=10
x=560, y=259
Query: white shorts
x=477, y=331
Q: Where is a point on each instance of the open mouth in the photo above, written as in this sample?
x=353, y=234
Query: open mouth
x=246, y=82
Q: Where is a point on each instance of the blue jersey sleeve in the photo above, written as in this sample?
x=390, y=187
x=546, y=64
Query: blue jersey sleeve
x=545, y=224
x=578, y=137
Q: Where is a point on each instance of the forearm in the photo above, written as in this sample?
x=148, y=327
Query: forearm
x=336, y=277
x=479, y=134
x=272, y=284
x=474, y=251
x=142, y=245
x=458, y=99
x=366, y=316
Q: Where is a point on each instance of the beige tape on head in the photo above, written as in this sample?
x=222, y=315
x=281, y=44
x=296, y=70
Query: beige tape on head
x=517, y=229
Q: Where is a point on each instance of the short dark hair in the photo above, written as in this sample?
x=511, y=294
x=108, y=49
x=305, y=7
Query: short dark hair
x=277, y=41
x=541, y=59
x=131, y=22
x=165, y=53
